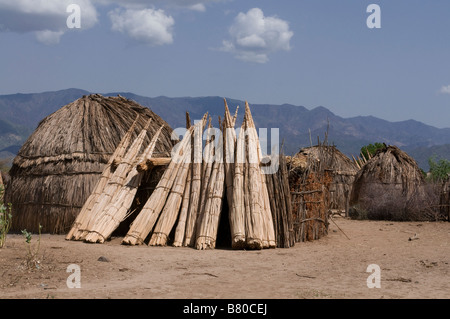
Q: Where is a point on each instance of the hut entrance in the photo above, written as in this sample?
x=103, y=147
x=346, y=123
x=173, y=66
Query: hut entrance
x=223, y=240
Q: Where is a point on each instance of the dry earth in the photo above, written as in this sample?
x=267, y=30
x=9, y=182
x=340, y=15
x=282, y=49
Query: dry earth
x=332, y=267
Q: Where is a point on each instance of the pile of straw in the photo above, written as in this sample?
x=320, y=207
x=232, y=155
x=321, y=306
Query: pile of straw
x=186, y=205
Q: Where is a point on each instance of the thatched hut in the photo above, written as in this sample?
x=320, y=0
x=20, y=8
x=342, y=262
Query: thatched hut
x=389, y=186
x=341, y=169
x=318, y=181
x=59, y=165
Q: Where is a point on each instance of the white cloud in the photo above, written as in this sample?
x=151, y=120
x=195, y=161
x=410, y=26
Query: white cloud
x=150, y=26
x=200, y=7
x=254, y=36
x=195, y=5
x=46, y=18
x=49, y=37
x=445, y=89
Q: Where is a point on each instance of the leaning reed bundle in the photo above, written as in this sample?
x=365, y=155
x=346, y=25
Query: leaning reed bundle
x=259, y=224
x=229, y=142
x=238, y=207
x=208, y=224
x=146, y=219
x=280, y=204
x=172, y=206
x=84, y=214
x=121, y=202
x=207, y=170
x=115, y=182
x=181, y=225
x=196, y=185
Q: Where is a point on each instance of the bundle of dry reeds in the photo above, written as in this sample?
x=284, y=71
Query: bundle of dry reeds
x=171, y=186
x=280, y=204
x=116, y=211
x=187, y=203
x=84, y=215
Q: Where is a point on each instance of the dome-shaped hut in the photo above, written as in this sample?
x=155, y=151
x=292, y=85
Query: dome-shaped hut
x=59, y=165
x=320, y=179
x=389, y=186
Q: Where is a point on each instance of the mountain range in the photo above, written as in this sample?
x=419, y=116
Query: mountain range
x=299, y=127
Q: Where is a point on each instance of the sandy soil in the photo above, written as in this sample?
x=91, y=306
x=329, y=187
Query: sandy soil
x=332, y=267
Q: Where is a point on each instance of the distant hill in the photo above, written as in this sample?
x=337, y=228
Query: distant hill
x=21, y=113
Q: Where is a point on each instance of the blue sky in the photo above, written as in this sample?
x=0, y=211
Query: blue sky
x=310, y=53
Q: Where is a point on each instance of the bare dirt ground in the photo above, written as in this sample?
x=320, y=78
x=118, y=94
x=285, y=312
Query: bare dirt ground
x=332, y=267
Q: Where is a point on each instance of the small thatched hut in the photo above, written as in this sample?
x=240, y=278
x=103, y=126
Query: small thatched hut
x=59, y=165
x=318, y=182
x=341, y=169
x=389, y=186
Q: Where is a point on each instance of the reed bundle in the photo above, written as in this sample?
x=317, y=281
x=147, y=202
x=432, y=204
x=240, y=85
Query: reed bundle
x=84, y=215
x=195, y=188
x=116, y=211
x=145, y=221
x=186, y=206
x=280, y=204
x=211, y=208
x=115, y=182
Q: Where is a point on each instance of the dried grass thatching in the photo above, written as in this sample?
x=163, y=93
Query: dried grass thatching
x=59, y=165
x=310, y=181
x=390, y=186
x=340, y=167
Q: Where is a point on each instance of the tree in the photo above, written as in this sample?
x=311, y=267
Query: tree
x=371, y=149
x=439, y=170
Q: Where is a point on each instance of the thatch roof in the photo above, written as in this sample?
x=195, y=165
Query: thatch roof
x=341, y=168
x=339, y=162
x=389, y=185
x=60, y=163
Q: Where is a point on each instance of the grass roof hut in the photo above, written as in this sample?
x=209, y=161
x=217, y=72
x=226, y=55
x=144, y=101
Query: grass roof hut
x=342, y=171
x=390, y=186
x=310, y=182
x=58, y=166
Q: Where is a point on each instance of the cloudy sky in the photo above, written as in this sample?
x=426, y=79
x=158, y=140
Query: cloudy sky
x=311, y=53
